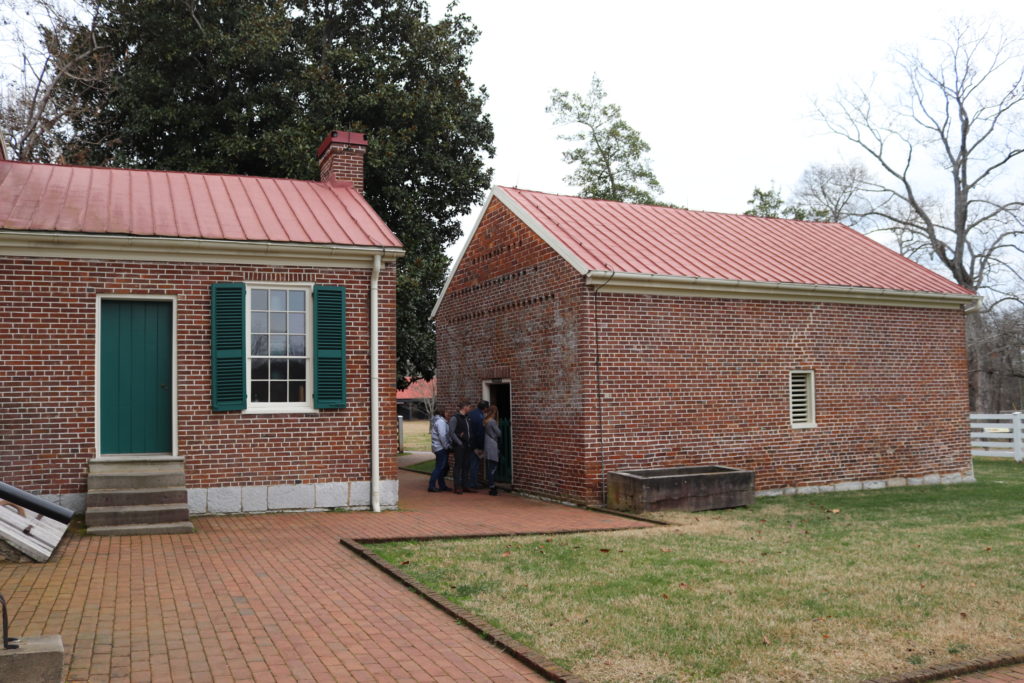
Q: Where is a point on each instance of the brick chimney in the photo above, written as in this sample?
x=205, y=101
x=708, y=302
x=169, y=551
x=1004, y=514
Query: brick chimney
x=341, y=158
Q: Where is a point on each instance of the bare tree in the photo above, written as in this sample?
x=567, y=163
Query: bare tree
x=834, y=193
x=53, y=46
x=958, y=114
x=429, y=401
x=996, y=343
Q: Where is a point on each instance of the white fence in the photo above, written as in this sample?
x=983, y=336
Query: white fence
x=998, y=436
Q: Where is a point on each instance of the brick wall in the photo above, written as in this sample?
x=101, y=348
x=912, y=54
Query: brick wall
x=511, y=312
x=686, y=381
x=48, y=321
x=602, y=382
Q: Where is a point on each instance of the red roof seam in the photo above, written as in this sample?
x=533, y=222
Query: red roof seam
x=327, y=207
x=609, y=231
x=192, y=203
x=277, y=215
x=272, y=185
x=362, y=206
x=152, y=207
x=38, y=204
x=239, y=221
x=63, y=205
x=301, y=191
x=174, y=210
x=83, y=214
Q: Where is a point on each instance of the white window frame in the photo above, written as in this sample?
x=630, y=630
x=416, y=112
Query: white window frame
x=812, y=413
x=287, y=406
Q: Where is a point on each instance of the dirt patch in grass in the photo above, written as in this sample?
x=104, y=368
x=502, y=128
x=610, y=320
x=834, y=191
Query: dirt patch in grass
x=416, y=435
x=829, y=587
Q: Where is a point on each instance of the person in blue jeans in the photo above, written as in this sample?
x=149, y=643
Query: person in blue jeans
x=476, y=444
x=440, y=443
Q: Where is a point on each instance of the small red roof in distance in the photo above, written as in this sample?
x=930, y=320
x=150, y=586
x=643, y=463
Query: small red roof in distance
x=634, y=238
x=421, y=388
x=118, y=201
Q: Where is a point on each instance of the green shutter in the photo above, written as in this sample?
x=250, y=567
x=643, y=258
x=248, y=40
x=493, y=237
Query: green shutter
x=227, y=354
x=329, y=347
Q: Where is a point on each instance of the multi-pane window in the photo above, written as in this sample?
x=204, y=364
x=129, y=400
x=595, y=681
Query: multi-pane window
x=279, y=326
x=277, y=348
x=801, y=398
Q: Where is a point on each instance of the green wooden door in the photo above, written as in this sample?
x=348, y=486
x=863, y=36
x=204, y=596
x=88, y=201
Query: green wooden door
x=135, y=376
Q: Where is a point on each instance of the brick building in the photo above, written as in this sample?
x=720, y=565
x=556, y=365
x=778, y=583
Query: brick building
x=221, y=325
x=620, y=336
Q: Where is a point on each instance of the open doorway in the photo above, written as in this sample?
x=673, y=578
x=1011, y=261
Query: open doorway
x=499, y=393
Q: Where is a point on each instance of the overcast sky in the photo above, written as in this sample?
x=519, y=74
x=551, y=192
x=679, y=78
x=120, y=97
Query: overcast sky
x=722, y=91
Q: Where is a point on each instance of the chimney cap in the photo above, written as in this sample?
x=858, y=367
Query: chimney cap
x=340, y=136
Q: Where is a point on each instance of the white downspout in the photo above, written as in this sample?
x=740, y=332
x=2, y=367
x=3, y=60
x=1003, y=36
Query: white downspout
x=374, y=391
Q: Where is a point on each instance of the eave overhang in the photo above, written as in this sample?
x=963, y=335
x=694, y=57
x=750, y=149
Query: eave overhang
x=92, y=246
x=671, y=285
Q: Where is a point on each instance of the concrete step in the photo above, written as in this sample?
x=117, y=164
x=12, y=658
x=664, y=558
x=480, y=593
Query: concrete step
x=159, y=496
x=130, y=515
x=142, y=529
x=136, y=477
x=136, y=458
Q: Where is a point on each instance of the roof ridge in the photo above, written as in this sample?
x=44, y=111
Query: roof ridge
x=160, y=170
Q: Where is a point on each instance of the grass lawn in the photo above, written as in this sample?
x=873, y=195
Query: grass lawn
x=426, y=466
x=836, y=586
x=417, y=435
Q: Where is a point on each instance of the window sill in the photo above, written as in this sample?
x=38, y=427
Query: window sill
x=809, y=425
x=281, y=410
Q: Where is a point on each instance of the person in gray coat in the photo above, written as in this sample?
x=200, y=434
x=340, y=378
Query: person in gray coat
x=492, y=445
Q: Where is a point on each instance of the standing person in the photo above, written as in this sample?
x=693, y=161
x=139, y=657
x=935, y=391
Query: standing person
x=440, y=443
x=458, y=429
x=492, y=445
x=476, y=442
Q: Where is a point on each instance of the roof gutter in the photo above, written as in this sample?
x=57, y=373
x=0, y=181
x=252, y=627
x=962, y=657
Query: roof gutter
x=190, y=249
x=676, y=285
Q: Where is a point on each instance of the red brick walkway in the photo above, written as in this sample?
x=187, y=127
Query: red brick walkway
x=1010, y=674
x=271, y=597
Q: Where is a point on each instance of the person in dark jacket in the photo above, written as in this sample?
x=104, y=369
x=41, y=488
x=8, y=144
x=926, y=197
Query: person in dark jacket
x=476, y=442
x=458, y=430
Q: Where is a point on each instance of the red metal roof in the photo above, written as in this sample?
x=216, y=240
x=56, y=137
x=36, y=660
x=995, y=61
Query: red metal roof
x=633, y=238
x=120, y=201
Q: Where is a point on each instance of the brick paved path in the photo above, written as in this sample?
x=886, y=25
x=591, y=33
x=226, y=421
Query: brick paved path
x=271, y=597
x=1010, y=674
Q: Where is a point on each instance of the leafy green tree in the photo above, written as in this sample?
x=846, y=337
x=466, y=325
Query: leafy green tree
x=610, y=161
x=252, y=86
x=769, y=204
